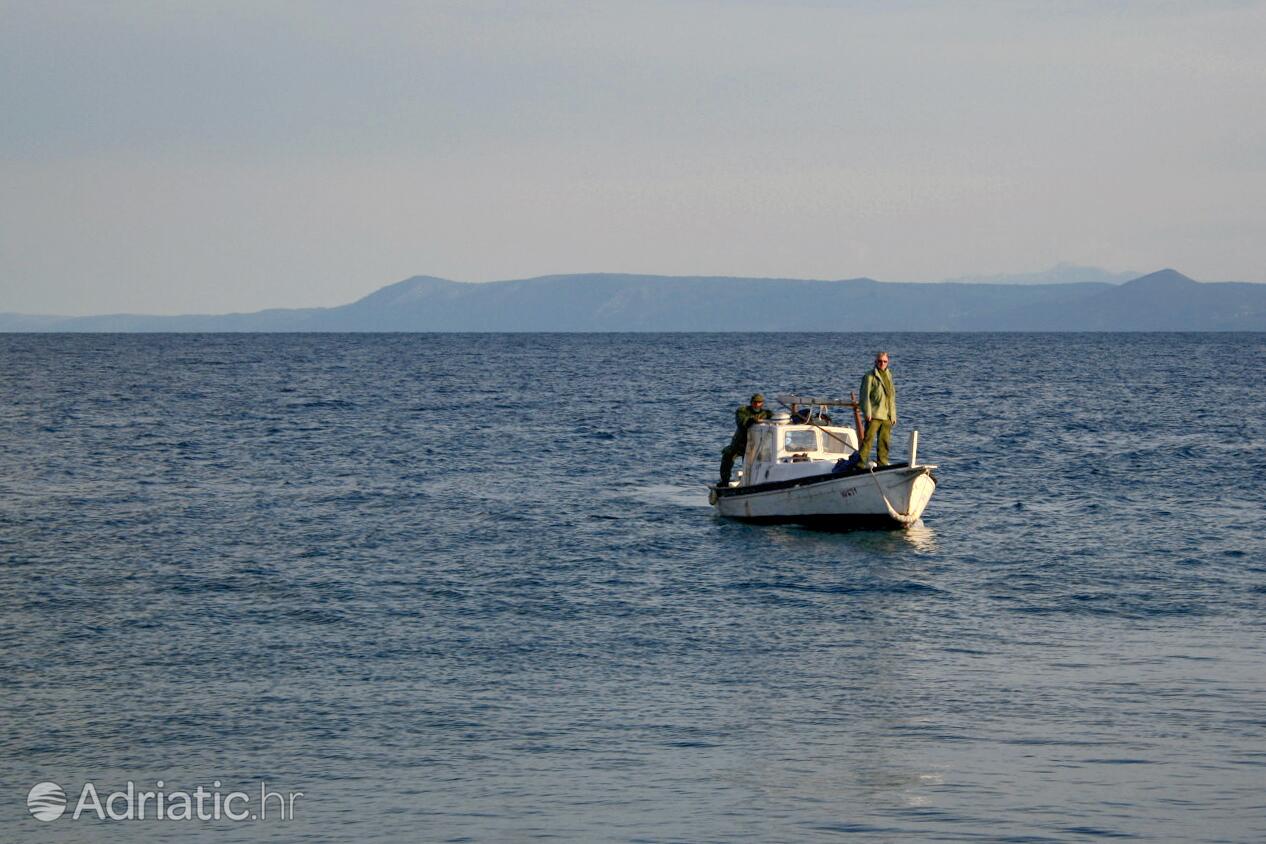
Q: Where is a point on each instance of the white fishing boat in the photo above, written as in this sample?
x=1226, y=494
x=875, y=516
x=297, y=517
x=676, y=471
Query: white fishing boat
x=797, y=469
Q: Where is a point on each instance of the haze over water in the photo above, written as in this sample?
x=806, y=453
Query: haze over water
x=468, y=587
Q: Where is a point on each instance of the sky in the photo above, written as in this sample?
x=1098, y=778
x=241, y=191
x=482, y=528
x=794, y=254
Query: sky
x=162, y=157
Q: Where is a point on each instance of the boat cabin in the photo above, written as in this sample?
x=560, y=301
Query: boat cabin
x=779, y=450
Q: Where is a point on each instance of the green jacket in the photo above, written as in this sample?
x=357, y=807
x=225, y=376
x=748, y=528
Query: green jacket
x=744, y=418
x=879, y=396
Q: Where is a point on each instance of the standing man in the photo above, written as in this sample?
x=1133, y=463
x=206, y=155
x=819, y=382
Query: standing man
x=744, y=418
x=879, y=406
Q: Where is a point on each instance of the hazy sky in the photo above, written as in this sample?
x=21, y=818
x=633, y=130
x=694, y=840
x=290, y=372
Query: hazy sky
x=170, y=157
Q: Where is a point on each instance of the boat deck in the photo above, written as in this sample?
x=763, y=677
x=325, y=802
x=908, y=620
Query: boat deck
x=730, y=491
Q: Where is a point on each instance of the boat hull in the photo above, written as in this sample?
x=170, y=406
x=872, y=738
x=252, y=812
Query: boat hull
x=892, y=497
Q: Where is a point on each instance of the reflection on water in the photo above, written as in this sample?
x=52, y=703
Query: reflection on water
x=920, y=537
x=801, y=538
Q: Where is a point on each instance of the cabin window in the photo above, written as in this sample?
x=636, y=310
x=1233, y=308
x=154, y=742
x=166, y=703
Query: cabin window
x=837, y=442
x=794, y=442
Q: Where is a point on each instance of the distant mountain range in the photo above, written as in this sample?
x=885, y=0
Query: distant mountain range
x=1162, y=301
x=1062, y=273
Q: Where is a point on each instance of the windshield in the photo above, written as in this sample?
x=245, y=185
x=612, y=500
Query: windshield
x=836, y=442
x=797, y=441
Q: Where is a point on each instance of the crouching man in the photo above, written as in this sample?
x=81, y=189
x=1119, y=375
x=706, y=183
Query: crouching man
x=744, y=418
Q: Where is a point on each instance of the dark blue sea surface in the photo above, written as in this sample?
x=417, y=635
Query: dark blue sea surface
x=468, y=588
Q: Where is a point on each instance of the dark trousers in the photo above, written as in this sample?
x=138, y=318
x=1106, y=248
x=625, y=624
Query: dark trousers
x=881, y=430
x=731, y=451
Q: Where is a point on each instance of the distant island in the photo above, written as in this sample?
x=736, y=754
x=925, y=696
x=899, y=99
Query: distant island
x=1161, y=301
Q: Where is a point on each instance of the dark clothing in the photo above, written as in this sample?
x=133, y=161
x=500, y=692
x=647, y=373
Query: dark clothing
x=744, y=418
x=728, y=454
x=747, y=416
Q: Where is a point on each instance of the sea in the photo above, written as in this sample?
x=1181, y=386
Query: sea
x=468, y=588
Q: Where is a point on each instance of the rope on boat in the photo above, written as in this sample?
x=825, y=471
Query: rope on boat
x=903, y=518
